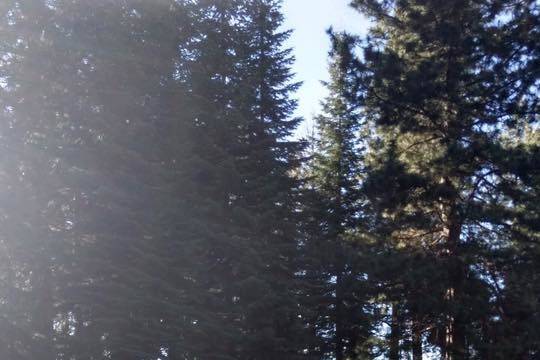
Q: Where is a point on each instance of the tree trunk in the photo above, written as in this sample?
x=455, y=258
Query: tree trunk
x=454, y=341
x=455, y=344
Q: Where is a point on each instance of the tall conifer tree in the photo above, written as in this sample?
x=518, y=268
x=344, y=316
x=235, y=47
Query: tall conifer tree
x=334, y=175
x=442, y=83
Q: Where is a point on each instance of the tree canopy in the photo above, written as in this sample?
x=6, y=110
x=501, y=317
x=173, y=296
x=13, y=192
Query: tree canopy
x=157, y=203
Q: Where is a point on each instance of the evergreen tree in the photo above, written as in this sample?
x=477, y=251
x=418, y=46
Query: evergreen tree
x=341, y=295
x=442, y=83
x=241, y=78
x=268, y=190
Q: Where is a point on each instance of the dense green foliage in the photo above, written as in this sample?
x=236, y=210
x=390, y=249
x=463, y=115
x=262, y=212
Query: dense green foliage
x=336, y=263
x=154, y=203
x=148, y=207
x=449, y=89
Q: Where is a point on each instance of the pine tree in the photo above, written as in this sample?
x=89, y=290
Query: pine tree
x=337, y=270
x=268, y=189
x=238, y=80
x=442, y=83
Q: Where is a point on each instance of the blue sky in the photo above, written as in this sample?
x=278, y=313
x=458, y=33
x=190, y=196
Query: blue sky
x=310, y=19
